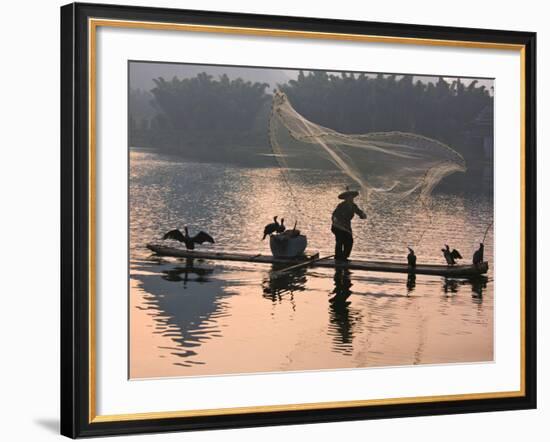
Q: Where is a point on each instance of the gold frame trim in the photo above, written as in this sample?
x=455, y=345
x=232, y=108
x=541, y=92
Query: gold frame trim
x=93, y=24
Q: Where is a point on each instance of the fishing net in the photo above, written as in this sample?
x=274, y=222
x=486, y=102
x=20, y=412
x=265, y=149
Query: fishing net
x=384, y=166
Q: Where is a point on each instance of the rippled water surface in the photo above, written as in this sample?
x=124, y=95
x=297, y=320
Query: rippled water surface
x=218, y=317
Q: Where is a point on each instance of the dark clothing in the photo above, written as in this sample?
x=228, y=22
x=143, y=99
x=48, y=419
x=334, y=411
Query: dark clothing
x=341, y=227
x=343, y=214
x=344, y=243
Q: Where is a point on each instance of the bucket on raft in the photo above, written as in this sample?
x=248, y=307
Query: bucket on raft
x=289, y=244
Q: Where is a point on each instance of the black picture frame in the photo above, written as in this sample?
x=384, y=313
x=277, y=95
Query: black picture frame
x=76, y=416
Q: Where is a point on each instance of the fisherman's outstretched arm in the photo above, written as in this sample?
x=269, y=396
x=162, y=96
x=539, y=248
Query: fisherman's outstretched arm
x=359, y=212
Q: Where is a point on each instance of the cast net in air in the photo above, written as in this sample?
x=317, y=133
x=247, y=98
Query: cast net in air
x=385, y=167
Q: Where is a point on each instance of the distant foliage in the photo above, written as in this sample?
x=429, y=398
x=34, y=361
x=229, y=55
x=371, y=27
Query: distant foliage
x=203, y=103
x=360, y=103
x=142, y=109
x=218, y=119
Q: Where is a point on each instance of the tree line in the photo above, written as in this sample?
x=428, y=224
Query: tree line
x=222, y=119
x=360, y=103
x=202, y=117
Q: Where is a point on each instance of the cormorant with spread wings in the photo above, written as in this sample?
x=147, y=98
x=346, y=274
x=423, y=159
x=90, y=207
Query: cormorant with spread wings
x=451, y=256
x=189, y=241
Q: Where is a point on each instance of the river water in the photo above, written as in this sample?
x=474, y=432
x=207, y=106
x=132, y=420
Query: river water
x=220, y=317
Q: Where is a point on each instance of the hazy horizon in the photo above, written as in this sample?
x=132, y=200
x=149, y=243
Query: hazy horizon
x=142, y=73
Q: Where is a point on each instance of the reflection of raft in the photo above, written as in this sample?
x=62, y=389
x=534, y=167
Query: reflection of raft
x=287, y=245
x=456, y=271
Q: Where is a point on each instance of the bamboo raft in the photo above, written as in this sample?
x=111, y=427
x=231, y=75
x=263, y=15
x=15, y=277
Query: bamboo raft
x=456, y=271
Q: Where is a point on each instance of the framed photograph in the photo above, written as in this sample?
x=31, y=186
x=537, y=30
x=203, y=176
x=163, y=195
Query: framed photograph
x=279, y=220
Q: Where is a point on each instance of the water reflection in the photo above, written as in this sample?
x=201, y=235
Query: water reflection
x=478, y=284
x=342, y=318
x=450, y=286
x=187, y=317
x=342, y=287
x=186, y=313
x=205, y=312
x=411, y=283
x=277, y=283
x=189, y=271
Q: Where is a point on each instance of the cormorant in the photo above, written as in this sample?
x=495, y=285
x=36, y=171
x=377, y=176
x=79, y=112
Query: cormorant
x=411, y=258
x=478, y=255
x=271, y=228
x=451, y=256
x=189, y=241
x=281, y=227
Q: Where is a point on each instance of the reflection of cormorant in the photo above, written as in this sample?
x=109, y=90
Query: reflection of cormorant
x=271, y=228
x=450, y=257
x=478, y=255
x=479, y=283
x=411, y=258
x=189, y=241
x=341, y=319
x=411, y=282
x=450, y=285
x=185, y=321
x=189, y=269
x=279, y=283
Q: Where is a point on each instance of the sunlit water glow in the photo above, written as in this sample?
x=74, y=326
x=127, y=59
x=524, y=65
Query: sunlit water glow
x=219, y=317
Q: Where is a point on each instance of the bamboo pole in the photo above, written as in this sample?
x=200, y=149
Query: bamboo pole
x=302, y=264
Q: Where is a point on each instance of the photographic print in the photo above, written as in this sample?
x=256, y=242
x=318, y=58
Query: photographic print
x=314, y=220
x=289, y=220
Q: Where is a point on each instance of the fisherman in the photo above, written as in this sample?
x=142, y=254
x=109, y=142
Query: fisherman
x=341, y=224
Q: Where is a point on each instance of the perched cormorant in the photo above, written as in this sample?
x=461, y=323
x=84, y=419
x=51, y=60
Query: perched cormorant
x=411, y=258
x=478, y=255
x=189, y=241
x=281, y=227
x=451, y=256
x=271, y=228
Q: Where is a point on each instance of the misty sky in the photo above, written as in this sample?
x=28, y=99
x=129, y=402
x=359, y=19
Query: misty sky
x=142, y=74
